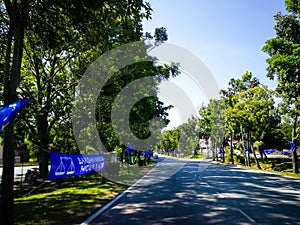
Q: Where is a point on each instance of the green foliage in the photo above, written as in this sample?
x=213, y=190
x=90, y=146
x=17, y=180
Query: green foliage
x=189, y=137
x=58, y=49
x=284, y=64
x=170, y=139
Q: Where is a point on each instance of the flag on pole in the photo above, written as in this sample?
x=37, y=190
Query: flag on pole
x=130, y=148
x=247, y=149
x=8, y=112
x=293, y=147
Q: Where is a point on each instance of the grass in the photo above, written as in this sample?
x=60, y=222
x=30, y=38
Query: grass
x=130, y=174
x=72, y=200
x=68, y=202
x=279, y=167
x=195, y=156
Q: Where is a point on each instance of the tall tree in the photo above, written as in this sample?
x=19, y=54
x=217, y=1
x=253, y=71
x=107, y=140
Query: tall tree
x=284, y=64
x=17, y=13
x=189, y=136
x=59, y=47
x=230, y=97
x=253, y=111
x=170, y=140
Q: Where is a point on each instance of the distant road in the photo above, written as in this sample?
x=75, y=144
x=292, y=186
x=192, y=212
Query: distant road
x=203, y=192
x=19, y=171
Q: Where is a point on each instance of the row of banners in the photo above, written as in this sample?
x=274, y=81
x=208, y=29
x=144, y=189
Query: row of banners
x=67, y=165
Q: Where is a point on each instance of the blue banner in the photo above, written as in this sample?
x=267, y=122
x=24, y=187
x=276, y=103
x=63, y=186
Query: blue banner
x=67, y=165
x=271, y=151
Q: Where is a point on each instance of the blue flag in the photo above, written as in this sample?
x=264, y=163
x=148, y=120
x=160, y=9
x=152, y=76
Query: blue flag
x=130, y=148
x=247, y=149
x=8, y=112
x=293, y=147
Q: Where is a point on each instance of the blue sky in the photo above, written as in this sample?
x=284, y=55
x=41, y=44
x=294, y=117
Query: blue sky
x=227, y=35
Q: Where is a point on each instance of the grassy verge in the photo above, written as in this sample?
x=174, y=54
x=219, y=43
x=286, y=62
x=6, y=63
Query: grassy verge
x=274, y=166
x=69, y=202
x=197, y=156
x=73, y=200
x=284, y=168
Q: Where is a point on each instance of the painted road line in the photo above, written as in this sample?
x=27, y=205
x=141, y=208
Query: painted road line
x=220, y=195
x=247, y=217
x=113, y=201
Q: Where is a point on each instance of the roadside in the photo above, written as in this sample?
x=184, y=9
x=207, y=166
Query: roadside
x=75, y=199
x=272, y=166
x=23, y=164
x=71, y=200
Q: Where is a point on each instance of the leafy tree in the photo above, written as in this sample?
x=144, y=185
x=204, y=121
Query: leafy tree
x=229, y=96
x=250, y=109
x=142, y=112
x=170, y=139
x=283, y=64
x=16, y=15
x=61, y=39
x=189, y=136
x=253, y=110
x=212, y=122
x=59, y=47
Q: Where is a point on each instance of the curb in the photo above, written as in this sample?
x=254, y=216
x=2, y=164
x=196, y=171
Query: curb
x=103, y=209
x=112, y=202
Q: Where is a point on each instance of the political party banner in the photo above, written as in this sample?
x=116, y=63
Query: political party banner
x=66, y=165
x=271, y=151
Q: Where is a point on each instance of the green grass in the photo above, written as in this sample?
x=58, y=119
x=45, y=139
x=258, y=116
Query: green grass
x=197, y=156
x=283, y=168
x=69, y=202
x=73, y=200
x=130, y=174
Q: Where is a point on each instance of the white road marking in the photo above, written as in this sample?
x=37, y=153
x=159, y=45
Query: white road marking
x=220, y=195
x=247, y=217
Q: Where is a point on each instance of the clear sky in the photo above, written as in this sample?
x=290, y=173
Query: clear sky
x=227, y=35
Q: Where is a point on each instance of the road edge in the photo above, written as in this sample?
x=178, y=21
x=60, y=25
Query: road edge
x=109, y=204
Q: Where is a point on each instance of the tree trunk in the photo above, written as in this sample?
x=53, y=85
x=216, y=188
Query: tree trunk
x=294, y=155
x=295, y=162
x=231, y=148
x=43, y=135
x=256, y=160
x=7, y=193
x=18, y=14
x=254, y=154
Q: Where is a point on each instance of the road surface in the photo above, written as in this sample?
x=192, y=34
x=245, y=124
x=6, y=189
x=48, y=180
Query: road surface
x=18, y=172
x=202, y=192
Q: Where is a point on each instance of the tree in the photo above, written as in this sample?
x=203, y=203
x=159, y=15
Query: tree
x=17, y=14
x=170, y=140
x=59, y=48
x=62, y=38
x=253, y=112
x=230, y=97
x=189, y=136
x=212, y=122
x=284, y=64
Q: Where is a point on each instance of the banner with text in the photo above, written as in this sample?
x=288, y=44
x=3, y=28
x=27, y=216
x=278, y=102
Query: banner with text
x=66, y=165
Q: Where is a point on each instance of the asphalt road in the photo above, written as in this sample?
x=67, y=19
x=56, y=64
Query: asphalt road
x=19, y=172
x=202, y=192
